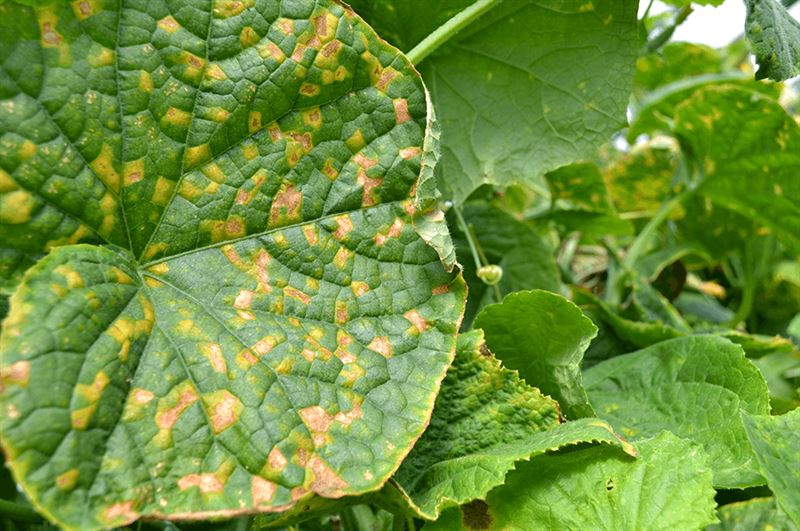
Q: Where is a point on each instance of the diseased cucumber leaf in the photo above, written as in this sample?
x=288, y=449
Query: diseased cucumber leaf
x=692, y=386
x=543, y=336
x=774, y=441
x=751, y=515
x=734, y=132
x=775, y=36
x=667, y=487
x=530, y=86
x=526, y=257
x=264, y=323
x=485, y=420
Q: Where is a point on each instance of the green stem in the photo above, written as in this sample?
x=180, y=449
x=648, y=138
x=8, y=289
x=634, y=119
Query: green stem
x=410, y=524
x=17, y=512
x=650, y=231
x=663, y=36
x=446, y=31
x=468, y=234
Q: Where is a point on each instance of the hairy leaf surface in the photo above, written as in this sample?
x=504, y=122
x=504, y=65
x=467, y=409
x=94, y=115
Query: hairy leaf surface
x=265, y=323
x=775, y=36
x=692, y=386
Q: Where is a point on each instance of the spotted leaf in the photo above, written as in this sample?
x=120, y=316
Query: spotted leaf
x=238, y=312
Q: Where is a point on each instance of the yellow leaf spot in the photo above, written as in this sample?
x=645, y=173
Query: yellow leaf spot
x=341, y=257
x=16, y=207
x=103, y=167
x=248, y=37
x=84, y=8
x=309, y=89
x=120, y=513
x=72, y=277
x=419, y=324
x=410, y=152
x=340, y=312
x=264, y=345
x=162, y=191
x=359, y=288
x=196, y=154
x=169, y=24
x=316, y=418
x=159, y=269
x=356, y=141
x=254, y=121
x=326, y=482
x=18, y=373
x=91, y=392
x=296, y=294
x=214, y=71
x=270, y=49
x=310, y=232
x=217, y=114
x=401, y=111
x=175, y=116
x=250, y=151
x=345, y=419
x=68, y=479
x=26, y=150
x=213, y=351
x=133, y=171
x=381, y=345
x=104, y=57
x=286, y=206
x=145, y=81
x=206, y=483
x=261, y=490
x=223, y=409
x=343, y=226
x=230, y=8
x=174, y=404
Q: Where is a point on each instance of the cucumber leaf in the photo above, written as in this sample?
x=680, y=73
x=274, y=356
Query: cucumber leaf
x=692, y=386
x=262, y=322
x=543, y=336
x=598, y=487
x=775, y=36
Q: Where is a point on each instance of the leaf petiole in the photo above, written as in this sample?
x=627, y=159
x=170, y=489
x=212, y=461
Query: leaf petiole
x=446, y=31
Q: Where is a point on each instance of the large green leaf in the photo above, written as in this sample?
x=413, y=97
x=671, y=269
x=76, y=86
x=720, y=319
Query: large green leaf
x=543, y=336
x=692, y=386
x=775, y=36
x=667, y=487
x=485, y=420
x=774, y=440
x=268, y=324
x=530, y=86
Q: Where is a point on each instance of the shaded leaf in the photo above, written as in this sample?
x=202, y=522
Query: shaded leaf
x=543, y=336
x=692, y=386
x=527, y=259
x=774, y=440
x=266, y=324
x=758, y=514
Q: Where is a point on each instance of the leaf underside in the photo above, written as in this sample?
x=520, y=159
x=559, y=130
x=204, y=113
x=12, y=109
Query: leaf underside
x=262, y=322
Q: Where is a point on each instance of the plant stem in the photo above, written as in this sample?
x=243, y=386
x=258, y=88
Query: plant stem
x=18, y=513
x=648, y=234
x=468, y=234
x=446, y=31
x=665, y=35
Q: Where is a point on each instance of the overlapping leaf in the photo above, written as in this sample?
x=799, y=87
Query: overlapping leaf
x=268, y=324
x=757, y=513
x=486, y=419
x=692, y=386
x=774, y=440
x=543, y=336
x=667, y=487
x=530, y=86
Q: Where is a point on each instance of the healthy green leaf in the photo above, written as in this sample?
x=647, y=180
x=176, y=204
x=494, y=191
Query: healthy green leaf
x=667, y=487
x=692, y=386
x=268, y=324
x=775, y=36
x=543, y=336
x=774, y=440
x=758, y=514
x=525, y=256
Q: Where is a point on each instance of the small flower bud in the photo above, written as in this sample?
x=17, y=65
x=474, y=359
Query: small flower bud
x=490, y=274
